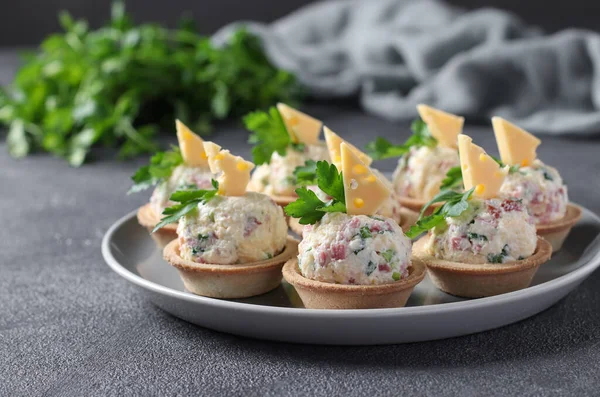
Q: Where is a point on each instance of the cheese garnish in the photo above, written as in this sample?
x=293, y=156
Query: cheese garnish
x=516, y=146
x=364, y=191
x=235, y=171
x=301, y=127
x=479, y=170
x=334, y=141
x=191, y=145
x=444, y=127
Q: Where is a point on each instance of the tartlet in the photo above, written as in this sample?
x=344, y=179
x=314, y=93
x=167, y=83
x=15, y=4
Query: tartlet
x=231, y=243
x=351, y=257
x=322, y=295
x=230, y=281
x=480, y=280
x=148, y=218
x=186, y=165
x=556, y=232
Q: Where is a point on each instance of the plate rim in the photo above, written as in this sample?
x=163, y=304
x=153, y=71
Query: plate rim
x=580, y=273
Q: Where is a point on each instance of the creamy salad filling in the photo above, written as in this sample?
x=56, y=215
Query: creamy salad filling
x=420, y=172
x=542, y=190
x=490, y=231
x=183, y=177
x=233, y=230
x=277, y=177
x=360, y=249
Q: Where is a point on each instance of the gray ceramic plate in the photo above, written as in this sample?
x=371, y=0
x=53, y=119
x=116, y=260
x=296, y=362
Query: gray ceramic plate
x=279, y=315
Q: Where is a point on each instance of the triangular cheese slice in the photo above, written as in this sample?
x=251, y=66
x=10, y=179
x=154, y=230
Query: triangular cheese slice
x=301, y=127
x=443, y=126
x=364, y=192
x=191, y=145
x=235, y=171
x=479, y=170
x=516, y=146
x=333, y=144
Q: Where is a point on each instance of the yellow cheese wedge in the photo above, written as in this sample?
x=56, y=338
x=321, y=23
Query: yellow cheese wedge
x=333, y=144
x=443, y=126
x=191, y=145
x=234, y=170
x=301, y=127
x=516, y=146
x=364, y=191
x=479, y=170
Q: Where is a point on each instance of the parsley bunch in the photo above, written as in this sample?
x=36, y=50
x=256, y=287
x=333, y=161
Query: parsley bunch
x=308, y=207
x=188, y=201
x=160, y=168
x=381, y=148
x=455, y=204
x=269, y=135
x=117, y=85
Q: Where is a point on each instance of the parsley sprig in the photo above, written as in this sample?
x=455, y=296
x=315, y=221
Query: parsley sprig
x=269, y=135
x=454, y=180
x=160, y=168
x=455, y=204
x=309, y=207
x=381, y=148
x=117, y=85
x=188, y=201
x=306, y=175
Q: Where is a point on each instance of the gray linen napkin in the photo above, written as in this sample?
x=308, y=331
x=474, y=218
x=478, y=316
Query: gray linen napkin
x=394, y=54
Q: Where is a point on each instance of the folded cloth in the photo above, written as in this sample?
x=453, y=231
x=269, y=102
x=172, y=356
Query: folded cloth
x=394, y=54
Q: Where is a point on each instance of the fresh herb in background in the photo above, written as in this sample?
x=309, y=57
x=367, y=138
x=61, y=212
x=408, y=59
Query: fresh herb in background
x=306, y=175
x=117, y=85
x=309, y=207
x=269, y=135
x=381, y=148
x=455, y=204
x=188, y=201
x=160, y=168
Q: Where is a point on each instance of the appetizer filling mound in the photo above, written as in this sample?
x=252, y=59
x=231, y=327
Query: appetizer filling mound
x=183, y=177
x=277, y=178
x=233, y=230
x=542, y=190
x=490, y=231
x=420, y=172
x=357, y=249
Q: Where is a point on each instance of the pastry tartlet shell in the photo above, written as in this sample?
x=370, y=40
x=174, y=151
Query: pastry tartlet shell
x=556, y=232
x=322, y=295
x=416, y=205
x=480, y=280
x=149, y=219
x=407, y=219
x=282, y=201
x=230, y=281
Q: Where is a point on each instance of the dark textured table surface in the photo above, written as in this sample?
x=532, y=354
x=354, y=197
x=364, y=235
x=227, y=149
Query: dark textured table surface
x=70, y=326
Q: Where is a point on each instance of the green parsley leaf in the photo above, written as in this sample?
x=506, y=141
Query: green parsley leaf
x=306, y=207
x=453, y=179
x=268, y=134
x=455, y=204
x=365, y=232
x=160, y=169
x=188, y=201
x=330, y=181
x=383, y=149
x=306, y=175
